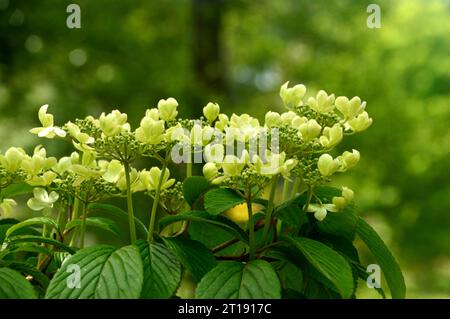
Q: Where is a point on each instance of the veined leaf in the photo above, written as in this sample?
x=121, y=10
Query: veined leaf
x=38, y=239
x=118, y=213
x=99, y=222
x=33, y=221
x=235, y=280
x=194, y=256
x=104, y=273
x=201, y=216
x=194, y=187
x=14, y=286
x=162, y=270
x=386, y=260
x=327, y=262
x=219, y=200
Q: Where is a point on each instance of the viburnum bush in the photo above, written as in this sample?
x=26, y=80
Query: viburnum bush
x=259, y=223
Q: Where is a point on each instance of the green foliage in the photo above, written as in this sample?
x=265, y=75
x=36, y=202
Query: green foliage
x=14, y=286
x=233, y=280
x=220, y=199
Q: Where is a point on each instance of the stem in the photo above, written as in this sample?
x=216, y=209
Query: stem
x=251, y=226
x=76, y=206
x=267, y=220
x=284, y=195
x=295, y=188
x=83, y=225
x=189, y=166
x=130, y=203
x=155, y=203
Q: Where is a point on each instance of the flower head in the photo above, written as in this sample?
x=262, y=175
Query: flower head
x=168, y=109
x=42, y=199
x=47, y=130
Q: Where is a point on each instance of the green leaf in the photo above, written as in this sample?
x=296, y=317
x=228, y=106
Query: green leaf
x=235, y=280
x=195, y=187
x=120, y=214
x=162, y=270
x=219, y=200
x=14, y=286
x=327, y=262
x=38, y=239
x=99, y=222
x=33, y=221
x=385, y=259
x=201, y=216
x=16, y=189
x=291, y=214
x=291, y=276
x=341, y=223
x=28, y=269
x=105, y=273
x=194, y=256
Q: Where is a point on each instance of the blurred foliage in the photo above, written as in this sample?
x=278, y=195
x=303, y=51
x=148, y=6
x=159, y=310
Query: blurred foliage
x=129, y=54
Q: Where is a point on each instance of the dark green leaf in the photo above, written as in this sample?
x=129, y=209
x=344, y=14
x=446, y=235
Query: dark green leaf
x=387, y=262
x=219, y=200
x=38, y=239
x=99, y=222
x=16, y=189
x=14, y=286
x=201, y=216
x=194, y=256
x=235, y=280
x=105, y=273
x=291, y=214
x=327, y=262
x=162, y=270
x=195, y=187
x=33, y=221
x=115, y=211
x=28, y=269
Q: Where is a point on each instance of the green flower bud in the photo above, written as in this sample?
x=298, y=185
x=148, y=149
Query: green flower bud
x=347, y=193
x=222, y=122
x=12, y=159
x=168, y=109
x=150, y=131
x=152, y=113
x=350, y=108
x=150, y=179
x=323, y=103
x=113, y=123
x=309, y=130
x=360, y=123
x=349, y=160
x=211, y=111
x=331, y=136
x=6, y=206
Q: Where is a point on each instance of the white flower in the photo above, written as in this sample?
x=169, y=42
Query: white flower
x=150, y=179
x=273, y=164
x=113, y=123
x=359, y=123
x=327, y=165
x=151, y=131
x=292, y=97
x=309, y=130
x=350, y=108
x=12, y=159
x=331, y=136
x=47, y=130
x=42, y=199
x=168, y=109
x=6, y=206
x=211, y=111
x=320, y=210
x=323, y=103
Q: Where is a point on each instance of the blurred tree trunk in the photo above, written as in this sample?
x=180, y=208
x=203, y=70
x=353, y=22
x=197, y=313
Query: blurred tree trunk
x=209, y=65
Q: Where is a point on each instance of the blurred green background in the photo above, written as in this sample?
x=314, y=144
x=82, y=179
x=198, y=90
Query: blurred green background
x=129, y=54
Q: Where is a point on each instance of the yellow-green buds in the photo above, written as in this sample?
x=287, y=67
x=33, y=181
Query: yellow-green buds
x=151, y=131
x=152, y=113
x=211, y=111
x=272, y=119
x=327, y=165
x=232, y=165
x=331, y=136
x=222, y=122
x=309, y=130
x=350, y=108
x=349, y=160
x=76, y=133
x=210, y=171
x=12, y=159
x=168, y=109
x=150, y=179
x=42, y=199
x=346, y=198
x=6, y=206
x=292, y=97
x=113, y=123
x=323, y=103
x=214, y=153
x=360, y=123
x=47, y=130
